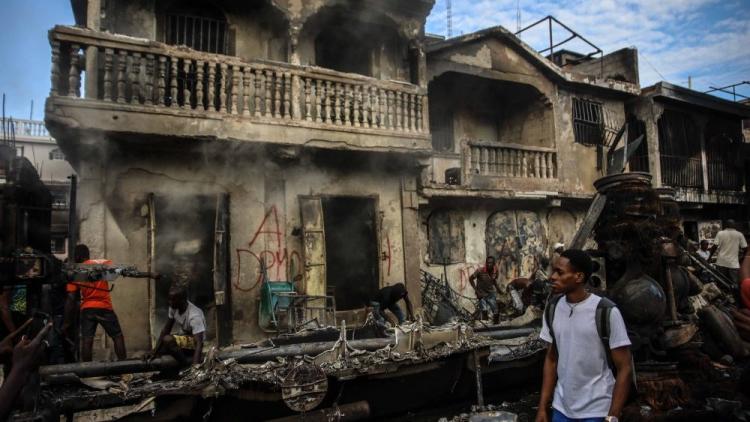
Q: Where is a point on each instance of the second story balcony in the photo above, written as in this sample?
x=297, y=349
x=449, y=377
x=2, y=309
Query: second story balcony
x=141, y=87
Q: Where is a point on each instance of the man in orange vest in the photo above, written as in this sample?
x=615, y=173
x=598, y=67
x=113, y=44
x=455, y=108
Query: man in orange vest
x=96, y=308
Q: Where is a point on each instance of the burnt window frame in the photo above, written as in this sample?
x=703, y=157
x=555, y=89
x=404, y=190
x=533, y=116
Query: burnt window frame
x=680, y=152
x=588, y=121
x=209, y=16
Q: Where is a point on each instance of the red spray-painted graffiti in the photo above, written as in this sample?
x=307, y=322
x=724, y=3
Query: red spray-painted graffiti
x=464, y=273
x=280, y=263
x=387, y=255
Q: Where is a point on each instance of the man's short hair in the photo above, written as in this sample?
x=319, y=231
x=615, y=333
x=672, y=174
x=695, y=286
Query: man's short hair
x=81, y=253
x=178, y=290
x=704, y=242
x=580, y=261
x=730, y=224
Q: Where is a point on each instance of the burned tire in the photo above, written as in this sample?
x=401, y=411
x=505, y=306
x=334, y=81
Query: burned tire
x=720, y=326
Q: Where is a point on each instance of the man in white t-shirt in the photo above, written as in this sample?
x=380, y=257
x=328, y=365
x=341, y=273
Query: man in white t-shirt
x=728, y=245
x=192, y=325
x=703, y=251
x=576, y=366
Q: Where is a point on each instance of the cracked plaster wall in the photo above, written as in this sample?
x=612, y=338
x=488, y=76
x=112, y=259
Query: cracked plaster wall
x=558, y=225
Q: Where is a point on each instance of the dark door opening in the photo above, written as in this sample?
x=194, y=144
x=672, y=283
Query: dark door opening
x=351, y=250
x=184, y=253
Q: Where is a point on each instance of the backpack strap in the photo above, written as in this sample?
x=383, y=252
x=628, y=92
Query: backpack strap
x=603, y=310
x=549, y=314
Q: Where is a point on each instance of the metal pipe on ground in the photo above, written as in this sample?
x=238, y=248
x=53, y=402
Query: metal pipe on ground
x=346, y=412
x=507, y=334
x=95, y=369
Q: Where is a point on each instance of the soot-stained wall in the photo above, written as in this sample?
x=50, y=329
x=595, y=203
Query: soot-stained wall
x=265, y=217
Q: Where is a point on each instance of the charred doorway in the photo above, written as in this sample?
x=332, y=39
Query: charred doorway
x=189, y=246
x=351, y=250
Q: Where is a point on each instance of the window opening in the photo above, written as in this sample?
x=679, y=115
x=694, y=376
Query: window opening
x=446, y=237
x=588, y=122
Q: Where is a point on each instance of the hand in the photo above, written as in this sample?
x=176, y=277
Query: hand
x=541, y=415
x=28, y=353
x=6, y=345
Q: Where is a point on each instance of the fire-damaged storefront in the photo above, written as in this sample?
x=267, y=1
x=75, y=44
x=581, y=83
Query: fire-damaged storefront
x=277, y=147
x=513, y=163
x=694, y=144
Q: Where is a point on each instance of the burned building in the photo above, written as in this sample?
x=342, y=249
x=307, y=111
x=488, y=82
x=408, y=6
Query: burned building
x=226, y=144
x=517, y=143
x=694, y=144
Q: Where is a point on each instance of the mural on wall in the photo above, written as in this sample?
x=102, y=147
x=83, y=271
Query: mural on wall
x=561, y=227
x=708, y=229
x=516, y=239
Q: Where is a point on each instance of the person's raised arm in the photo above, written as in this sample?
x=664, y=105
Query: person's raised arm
x=745, y=266
x=6, y=345
x=549, y=379
x=198, y=339
x=624, y=364
x=5, y=309
x=26, y=358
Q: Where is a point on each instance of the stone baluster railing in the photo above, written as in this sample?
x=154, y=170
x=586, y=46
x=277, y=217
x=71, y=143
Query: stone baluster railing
x=510, y=160
x=149, y=74
x=29, y=128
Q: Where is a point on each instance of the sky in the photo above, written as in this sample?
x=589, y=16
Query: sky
x=707, y=40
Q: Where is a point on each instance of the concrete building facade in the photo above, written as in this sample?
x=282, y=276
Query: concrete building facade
x=224, y=145
x=33, y=141
x=694, y=144
x=517, y=144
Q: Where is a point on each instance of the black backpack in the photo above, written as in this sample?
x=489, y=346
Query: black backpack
x=603, y=310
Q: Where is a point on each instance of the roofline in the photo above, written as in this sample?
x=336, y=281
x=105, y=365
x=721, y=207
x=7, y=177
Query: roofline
x=556, y=72
x=665, y=89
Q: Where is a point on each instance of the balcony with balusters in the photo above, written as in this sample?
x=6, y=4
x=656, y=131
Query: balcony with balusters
x=141, y=87
x=500, y=169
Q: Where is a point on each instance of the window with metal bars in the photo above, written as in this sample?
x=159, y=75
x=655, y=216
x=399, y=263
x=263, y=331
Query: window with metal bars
x=197, y=32
x=680, y=150
x=588, y=122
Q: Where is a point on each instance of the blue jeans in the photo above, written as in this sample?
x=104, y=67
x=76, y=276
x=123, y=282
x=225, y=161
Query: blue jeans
x=489, y=303
x=557, y=416
x=380, y=313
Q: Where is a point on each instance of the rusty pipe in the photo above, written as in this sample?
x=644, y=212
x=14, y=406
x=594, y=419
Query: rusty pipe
x=670, y=295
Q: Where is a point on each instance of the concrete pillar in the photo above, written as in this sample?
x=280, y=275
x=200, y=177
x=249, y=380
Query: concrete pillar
x=649, y=112
x=410, y=230
x=93, y=22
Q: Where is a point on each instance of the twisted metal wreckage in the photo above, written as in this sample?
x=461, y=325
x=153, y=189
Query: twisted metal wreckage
x=679, y=325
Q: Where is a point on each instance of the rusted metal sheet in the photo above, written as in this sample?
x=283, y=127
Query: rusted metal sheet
x=313, y=245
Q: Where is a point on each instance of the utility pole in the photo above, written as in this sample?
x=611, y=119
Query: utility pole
x=449, y=16
x=518, y=16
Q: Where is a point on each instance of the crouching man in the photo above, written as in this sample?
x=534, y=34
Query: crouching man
x=189, y=343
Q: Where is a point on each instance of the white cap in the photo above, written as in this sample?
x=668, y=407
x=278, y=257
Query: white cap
x=558, y=245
